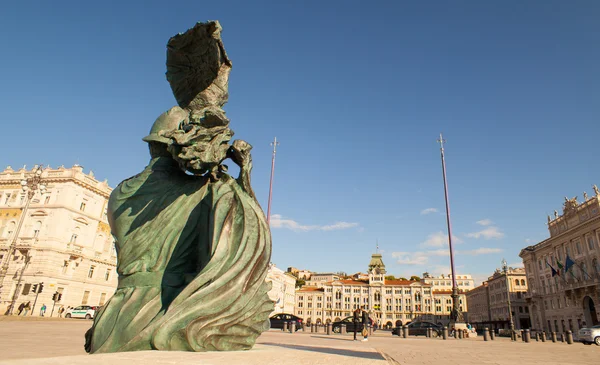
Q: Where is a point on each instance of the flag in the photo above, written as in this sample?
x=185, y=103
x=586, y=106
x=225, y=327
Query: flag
x=560, y=267
x=568, y=263
x=554, y=272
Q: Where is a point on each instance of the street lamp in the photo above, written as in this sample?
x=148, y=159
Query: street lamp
x=29, y=185
x=510, y=316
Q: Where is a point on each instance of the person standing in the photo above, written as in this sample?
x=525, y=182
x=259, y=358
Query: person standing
x=43, y=310
x=365, y=323
x=355, y=321
x=60, y=311
x=26, y=308
x=21, y=307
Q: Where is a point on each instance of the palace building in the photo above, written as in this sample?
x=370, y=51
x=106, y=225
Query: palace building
x=60, y=240
x=488, y=303
x=391, y=302
x=563, y=271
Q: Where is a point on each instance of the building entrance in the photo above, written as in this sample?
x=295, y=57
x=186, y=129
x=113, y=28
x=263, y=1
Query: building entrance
x=589, y=311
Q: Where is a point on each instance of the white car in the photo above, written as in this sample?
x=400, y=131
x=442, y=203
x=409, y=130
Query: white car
x=590, y=335
x=83, y=311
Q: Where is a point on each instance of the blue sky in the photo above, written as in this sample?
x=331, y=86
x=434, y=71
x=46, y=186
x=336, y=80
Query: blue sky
x=357, y=93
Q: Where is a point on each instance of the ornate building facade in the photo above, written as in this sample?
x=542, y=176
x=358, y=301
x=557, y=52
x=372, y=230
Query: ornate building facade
x=283, y=289
x=562, y=300
x=62, y=242
x=488, y=303
x=390, y=302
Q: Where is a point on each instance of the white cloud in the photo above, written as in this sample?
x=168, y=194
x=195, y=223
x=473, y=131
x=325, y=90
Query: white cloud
x=480, y=278
x=338, y=225
x=410, y=258
x=277, y=221
x=490, y=232
x=439, y=239
x=484, y=222
x=418, y=257
x=429, y=211
x=480, y=251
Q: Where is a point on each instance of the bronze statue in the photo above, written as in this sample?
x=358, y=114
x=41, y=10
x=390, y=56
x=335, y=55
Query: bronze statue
x=192, y=242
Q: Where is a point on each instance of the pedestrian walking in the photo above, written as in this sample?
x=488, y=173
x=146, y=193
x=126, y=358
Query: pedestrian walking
x=26, y=308
x=43, y=310
x=21, y=307
x=365, y=323
x=61, y=310
x=355, y=321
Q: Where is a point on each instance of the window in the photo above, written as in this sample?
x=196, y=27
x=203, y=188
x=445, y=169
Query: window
x=590, y=241
x=596, y=266
x=584, y=272
x=86, y=296
x=107, y=276
x=10, y=229
x=73, y=238
x=91, y=272
x=102, y=299
x=47, y=199
x=517, y=282
x=6, y=199
x=82, y=207
x=36, y=229
x=65, y=266
x=522, y=281
x=578, y=247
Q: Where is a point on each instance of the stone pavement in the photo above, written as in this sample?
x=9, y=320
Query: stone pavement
x=60, y=341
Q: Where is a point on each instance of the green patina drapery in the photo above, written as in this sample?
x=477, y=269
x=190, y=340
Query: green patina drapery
x=193, y=245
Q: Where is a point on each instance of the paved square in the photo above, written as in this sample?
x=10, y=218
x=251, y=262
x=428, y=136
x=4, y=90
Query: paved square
x=32, y=338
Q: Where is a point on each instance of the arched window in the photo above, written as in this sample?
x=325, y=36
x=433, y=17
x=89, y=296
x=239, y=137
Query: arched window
x=596, y=266
x=75, y=234
x=584, y=271
x=36, y=229
x=10, y=229
x=517, y=282
x=522, y=281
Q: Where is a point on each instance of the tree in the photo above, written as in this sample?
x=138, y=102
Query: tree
x=415, y=278
x=402, y=278
x=390, y=277
x=300, y=283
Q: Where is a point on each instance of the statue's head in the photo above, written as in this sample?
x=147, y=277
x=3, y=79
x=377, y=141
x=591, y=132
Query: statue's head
x=170, y=120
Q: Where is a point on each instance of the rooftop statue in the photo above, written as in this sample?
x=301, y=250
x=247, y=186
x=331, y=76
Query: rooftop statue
x=193, y=245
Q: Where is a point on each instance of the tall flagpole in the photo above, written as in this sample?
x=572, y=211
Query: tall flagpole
x=456, y=313
x=274, y=144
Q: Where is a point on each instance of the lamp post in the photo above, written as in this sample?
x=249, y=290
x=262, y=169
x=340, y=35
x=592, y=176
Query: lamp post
x=30, y=185
x=510, y=316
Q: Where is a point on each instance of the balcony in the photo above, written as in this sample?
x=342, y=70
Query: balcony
x=584, y=281
x=74, y=250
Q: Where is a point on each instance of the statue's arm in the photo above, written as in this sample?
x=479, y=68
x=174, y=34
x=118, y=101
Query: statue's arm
x=239, y=152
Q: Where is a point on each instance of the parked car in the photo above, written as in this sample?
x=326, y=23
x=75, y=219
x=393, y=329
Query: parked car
x=419, y=328
x=349, y=322
x=278, y=319
x=590, y=335
x=83, y=311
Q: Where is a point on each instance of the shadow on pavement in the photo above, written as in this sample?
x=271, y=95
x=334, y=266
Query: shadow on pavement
x=334, y=338
x=333, y=351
